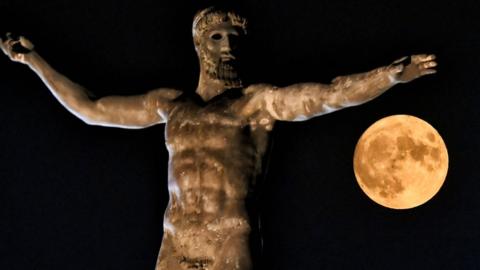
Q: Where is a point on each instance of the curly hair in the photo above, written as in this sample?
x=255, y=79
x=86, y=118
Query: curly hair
x=208, y=17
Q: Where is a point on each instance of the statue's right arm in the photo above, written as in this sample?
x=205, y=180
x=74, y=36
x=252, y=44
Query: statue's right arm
x=114, y=111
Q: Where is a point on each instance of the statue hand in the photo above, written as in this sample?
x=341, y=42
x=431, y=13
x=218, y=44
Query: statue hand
x=16, y=48
x=411, y=67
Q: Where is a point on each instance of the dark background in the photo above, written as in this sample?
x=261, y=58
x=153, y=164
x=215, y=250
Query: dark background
x=74, y=196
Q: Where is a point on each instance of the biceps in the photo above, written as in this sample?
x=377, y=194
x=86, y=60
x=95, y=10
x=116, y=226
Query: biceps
x=302, y=102
x=123, y=112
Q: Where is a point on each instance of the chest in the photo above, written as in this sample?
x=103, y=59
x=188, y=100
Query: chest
x=223, y=113
x=224, y=122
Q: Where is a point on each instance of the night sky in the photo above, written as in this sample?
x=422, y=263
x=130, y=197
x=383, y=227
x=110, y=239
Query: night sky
x=74, y=196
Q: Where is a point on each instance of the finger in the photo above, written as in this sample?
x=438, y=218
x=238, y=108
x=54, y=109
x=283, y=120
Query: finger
x=13, y=36
x=12, y=42
x=423, y=57
x=400, y=60
x=5, y=36
x=431, y=57
x=26, y=43
x=418, y=57
x=2, y=47
x=397, y=68
x=5, y=46
x=10, y=36
x=427, y=65
x=428, y=71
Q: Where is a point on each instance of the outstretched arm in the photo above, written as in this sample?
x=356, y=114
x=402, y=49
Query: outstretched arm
x=114, y=111
x=303, y=101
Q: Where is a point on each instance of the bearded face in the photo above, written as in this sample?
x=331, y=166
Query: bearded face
x=217, y=51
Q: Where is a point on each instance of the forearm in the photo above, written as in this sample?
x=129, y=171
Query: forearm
x=71, y=95
x=359, y=88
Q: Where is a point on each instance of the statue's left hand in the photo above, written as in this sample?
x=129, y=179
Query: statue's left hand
x=418, y=66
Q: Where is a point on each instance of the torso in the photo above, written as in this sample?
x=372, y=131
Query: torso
x=215, y=150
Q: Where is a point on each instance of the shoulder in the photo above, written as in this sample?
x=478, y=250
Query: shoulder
x=256, y=97
x=259, y=89
x=165, y=93
x=261, y=94
x=256, y=93
x=161, y=99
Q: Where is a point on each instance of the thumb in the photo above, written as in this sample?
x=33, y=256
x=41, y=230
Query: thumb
x=397, y=68
x=26, y=43
x=398, y=61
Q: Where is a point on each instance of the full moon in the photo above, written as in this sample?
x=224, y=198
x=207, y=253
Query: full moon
x=400, y=162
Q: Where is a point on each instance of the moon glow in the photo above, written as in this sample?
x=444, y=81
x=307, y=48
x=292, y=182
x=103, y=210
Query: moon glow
x=400, y=162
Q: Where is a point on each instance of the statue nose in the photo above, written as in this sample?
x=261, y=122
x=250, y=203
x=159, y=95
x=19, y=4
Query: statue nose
x=229, y=42
x=226, y=47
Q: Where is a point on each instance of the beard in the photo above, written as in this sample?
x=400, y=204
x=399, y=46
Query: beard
x=225, y=71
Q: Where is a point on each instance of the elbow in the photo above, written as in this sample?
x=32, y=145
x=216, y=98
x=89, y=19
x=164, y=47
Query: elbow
x=89, y=121
x=86, y=119
x=87, y=113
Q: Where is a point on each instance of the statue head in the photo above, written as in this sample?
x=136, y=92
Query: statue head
x=216, y=34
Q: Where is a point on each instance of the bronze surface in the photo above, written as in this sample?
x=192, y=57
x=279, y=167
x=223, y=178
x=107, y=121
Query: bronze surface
x=216, y=137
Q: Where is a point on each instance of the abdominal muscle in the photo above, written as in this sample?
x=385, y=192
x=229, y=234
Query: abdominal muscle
x=206, y=216
x=213, y=159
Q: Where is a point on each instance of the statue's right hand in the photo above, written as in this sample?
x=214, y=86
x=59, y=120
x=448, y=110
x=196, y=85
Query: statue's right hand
x=16, y=48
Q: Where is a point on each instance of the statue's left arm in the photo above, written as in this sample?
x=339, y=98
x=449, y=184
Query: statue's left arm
x=303, y=101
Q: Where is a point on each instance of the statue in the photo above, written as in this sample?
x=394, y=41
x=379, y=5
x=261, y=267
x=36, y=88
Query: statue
x=217, y=136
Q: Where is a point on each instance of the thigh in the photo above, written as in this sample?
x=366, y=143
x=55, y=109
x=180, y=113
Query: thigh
x=168, y=257
x=235, y=254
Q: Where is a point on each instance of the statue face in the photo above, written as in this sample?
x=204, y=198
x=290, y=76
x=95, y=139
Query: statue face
x=218, y=52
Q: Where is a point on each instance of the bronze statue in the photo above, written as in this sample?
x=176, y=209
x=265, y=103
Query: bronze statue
x=217, y=136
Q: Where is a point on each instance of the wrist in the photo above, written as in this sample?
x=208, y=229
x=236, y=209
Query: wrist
x=31, y=58
x=35, y=62
x=393, y=73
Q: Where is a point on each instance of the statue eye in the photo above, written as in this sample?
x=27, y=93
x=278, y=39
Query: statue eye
x=216, y=36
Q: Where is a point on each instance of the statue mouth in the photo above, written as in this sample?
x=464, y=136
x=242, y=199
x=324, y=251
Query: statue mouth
x=227, y=71
x=228, y=58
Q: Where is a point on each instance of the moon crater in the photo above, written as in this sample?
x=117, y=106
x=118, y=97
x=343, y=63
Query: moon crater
x=400, y=162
